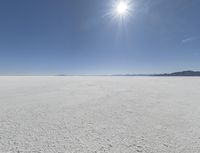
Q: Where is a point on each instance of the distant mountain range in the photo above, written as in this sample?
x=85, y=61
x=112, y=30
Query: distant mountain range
x=182, y=73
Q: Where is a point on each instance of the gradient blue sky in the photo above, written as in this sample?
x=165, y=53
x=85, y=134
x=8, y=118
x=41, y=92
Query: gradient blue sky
x=47, y=37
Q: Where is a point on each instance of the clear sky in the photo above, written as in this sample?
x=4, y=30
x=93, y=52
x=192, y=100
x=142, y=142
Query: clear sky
x=47, y=37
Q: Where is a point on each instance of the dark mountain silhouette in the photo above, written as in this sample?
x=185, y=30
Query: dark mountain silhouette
x=182, y=73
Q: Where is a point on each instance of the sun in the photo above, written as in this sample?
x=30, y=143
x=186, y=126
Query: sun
x=122, y=8
x=121, y=11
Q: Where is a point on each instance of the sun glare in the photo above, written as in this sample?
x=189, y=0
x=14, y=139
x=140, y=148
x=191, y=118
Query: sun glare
x=121, y=8
x=121, y=11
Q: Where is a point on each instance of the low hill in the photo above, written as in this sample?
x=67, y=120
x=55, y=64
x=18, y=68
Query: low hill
x=182, y=73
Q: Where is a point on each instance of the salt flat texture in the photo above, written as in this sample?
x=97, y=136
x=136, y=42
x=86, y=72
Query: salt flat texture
x=99, y=115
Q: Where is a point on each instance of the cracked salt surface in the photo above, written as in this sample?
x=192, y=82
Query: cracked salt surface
x=99, y=115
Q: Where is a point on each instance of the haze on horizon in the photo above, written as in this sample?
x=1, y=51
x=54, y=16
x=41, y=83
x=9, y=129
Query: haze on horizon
x=48, y=37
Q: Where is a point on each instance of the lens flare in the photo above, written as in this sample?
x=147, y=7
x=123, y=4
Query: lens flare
x=122, y=8
x=120, y=11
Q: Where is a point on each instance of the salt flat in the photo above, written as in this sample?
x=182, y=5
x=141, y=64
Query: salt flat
x=99, y=115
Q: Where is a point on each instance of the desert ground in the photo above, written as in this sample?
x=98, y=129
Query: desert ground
x=58, y=114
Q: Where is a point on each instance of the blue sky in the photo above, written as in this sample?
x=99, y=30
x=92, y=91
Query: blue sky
x=47, y=37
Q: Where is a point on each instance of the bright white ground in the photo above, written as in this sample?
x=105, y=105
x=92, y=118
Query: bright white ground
x=99, y=115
